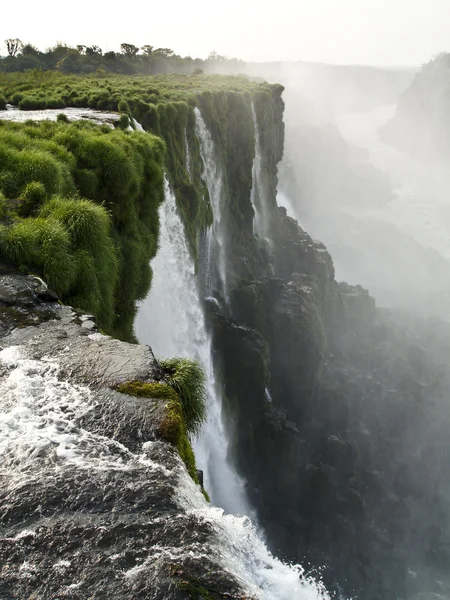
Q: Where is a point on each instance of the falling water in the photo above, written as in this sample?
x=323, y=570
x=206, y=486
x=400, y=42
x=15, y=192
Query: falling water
x=214, y=254
x=259, y=191
x=188, y=155
x=171, y=320
x=41, y=435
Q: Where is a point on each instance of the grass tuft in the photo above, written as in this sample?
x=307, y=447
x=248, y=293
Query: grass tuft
x=187, y=378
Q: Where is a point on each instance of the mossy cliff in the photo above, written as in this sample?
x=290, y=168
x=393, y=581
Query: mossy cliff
x=327, y=398
x=96, y=254
x=335, y=409
x=79, y=207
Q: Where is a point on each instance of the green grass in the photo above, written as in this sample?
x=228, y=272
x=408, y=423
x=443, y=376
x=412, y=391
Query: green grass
x=186, y=377
x=79, y=206
x=123, y=171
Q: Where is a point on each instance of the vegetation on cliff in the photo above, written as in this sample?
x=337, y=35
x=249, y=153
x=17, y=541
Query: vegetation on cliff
x=184, y=390
x=79, y=207
x=164, y=105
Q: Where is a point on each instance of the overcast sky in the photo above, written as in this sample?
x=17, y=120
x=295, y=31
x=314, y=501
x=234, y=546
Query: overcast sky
x=376, y=32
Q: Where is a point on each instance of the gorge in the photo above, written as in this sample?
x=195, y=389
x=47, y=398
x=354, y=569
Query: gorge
x=327, y=417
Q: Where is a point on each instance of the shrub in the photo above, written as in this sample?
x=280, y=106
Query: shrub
x=188, y=380
x=2, y=102
x=123, y=122
x=62, y=118
x=30, y=103
x=32, y=196
x=55, y=103
x=41, y=244
x=123, y=107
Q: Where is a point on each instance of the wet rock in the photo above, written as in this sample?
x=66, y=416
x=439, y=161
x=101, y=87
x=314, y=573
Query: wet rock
x=92, y=503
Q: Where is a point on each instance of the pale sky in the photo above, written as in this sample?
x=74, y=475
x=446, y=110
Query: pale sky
x=375, y=32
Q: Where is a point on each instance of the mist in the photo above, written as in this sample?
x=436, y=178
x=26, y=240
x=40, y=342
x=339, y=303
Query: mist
x=365, y=171
x=304, y=258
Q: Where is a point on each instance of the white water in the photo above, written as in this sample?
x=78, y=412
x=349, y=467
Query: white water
x=39, y=436
x=261, y=222
x=37, y=422
x=188, y=155
x=171, y=320
x=137, y=126
x=51, y=114
x=215, y=252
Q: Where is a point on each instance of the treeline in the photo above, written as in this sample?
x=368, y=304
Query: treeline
x=130, y=60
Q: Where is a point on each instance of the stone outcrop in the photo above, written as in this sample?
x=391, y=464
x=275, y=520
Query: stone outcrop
x=94, y=503
x=337, y=415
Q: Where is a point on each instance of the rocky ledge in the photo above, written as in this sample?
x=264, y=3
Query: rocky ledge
x=95, y=500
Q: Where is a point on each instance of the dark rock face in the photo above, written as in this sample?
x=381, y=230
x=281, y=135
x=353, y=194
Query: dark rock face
x=92, y=504
x=338, y=415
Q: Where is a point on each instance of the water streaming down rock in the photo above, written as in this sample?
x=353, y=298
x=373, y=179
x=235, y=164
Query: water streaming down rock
x=261, y=222
x=172, y=321
x=137, y=125
x=51, y=459
x=188, y=155
x=214, y=246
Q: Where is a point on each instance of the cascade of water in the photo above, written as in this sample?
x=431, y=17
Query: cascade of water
x=214, y=255
x=40, y=434
x=137, y=125
x=259, y=192
x=171, y=320
x=188, y=155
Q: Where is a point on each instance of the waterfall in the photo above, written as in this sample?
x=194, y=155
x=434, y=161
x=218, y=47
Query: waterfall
x=137, y=125
x=258, y=196
x=188, y=155
x=172, y=321
x=214, y=251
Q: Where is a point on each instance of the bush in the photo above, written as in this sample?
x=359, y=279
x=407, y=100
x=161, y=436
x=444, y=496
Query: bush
x=123, y=107
x=30, y=103
x=62, y=118
x=186, y=377
x=123, y=122
x=2, y=102
x=32, y=196
x=41, y=244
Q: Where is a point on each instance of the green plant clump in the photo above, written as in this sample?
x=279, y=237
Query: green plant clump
x=173, y=428
x=187, y=378
x=80, y=208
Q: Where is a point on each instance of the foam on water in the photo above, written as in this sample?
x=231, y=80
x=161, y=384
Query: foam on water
x=38, y=414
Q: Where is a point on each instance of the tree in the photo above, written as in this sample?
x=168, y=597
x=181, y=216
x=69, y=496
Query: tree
x=129, y=50
x=29, y=50
x=147, y=50
x=90, y=50
x=217, y=57
x=13, y=46
x=164, y=52
x=81, y=49
x=111, y=56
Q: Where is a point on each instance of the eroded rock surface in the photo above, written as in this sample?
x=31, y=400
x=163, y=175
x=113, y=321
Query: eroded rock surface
x=92, y=504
